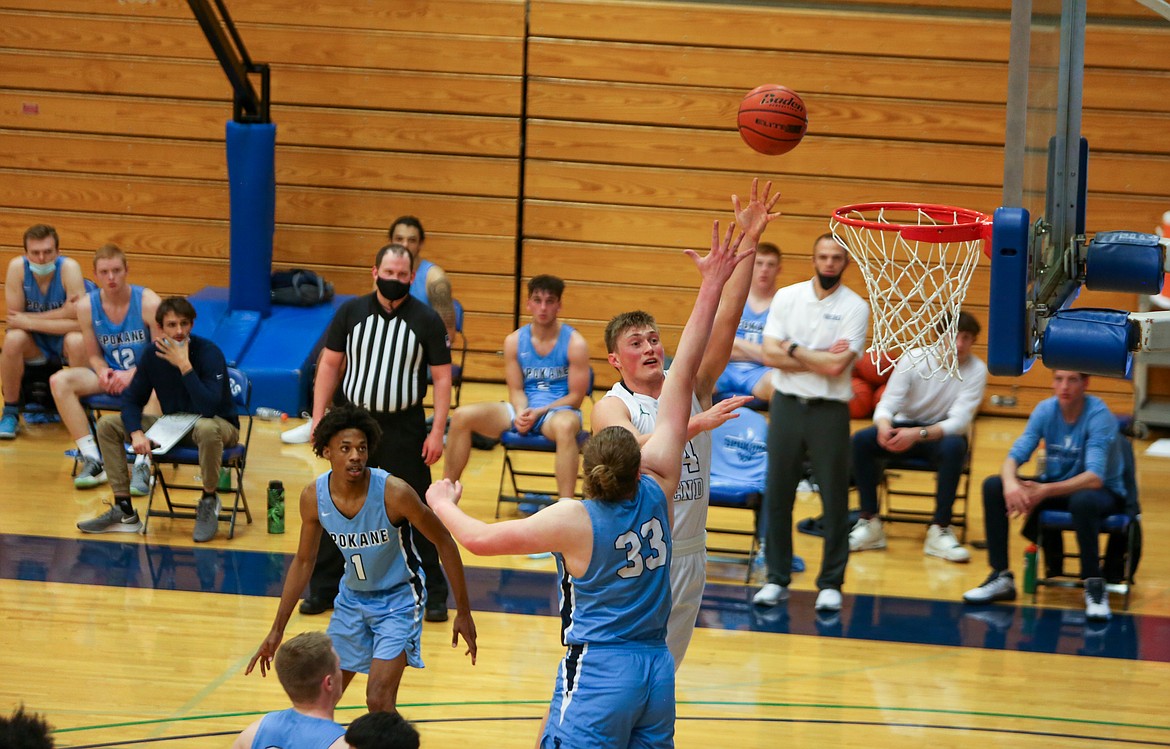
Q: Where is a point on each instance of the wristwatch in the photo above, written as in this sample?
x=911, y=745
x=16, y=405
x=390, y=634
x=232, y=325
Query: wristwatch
x=792, y=348
x=923, y=433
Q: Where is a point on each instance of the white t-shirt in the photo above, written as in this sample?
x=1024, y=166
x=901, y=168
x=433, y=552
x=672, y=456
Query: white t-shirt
x=798, y=316
x=694, y=484
x=951, y=403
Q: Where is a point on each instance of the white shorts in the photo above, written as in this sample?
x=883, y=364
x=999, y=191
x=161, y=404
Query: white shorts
x=688, y=578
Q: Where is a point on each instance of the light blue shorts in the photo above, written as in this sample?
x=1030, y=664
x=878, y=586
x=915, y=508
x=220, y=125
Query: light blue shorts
x=540, y=422
x=613, y=695
x=740, y=378
x=379, y=624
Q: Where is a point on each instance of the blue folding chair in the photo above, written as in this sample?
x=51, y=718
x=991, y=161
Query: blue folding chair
x=739, y=469
x=514, y=442
x=234, y=460
x=1123, y=529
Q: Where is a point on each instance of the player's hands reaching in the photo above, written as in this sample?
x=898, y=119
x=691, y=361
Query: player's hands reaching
x=717, y=265
x=464, y=626
x=265, y=654
x=757, y=214
x=720, y=413
x=444, y=491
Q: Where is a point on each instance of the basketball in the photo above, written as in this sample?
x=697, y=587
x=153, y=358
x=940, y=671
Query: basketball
x=772, y=119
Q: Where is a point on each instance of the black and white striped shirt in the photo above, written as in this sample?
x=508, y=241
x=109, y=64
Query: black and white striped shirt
x=387, y=353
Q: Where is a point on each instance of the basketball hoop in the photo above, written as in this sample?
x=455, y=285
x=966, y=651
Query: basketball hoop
x=917, y=260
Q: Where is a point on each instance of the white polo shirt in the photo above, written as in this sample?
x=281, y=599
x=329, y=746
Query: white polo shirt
x=951, y=403
x=797, y=315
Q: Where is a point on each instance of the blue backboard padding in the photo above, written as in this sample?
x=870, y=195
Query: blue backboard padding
x=251, y=162
x=1007, y=328
x=277, y=355
x=1094, y=341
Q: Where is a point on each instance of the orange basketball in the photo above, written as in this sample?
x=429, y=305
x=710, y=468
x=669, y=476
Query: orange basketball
x=772, y=119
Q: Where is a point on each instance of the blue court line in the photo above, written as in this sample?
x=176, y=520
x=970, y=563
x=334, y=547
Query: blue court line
x=864, y=617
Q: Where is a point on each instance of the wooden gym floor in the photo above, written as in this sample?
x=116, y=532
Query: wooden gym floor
x=129, y=640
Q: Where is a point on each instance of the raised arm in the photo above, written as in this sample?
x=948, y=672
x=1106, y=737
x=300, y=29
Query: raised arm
x=660, y=454
x=752, y=219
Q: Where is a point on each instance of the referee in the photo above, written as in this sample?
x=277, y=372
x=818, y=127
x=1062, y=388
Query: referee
x=383, y=343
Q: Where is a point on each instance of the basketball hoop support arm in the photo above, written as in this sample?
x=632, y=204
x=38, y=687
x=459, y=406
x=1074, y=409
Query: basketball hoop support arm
x=225, y=41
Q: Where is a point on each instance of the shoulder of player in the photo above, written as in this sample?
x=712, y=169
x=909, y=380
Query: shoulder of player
x=610, y=410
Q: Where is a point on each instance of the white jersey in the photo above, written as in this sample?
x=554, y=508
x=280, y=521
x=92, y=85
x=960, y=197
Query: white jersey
x=691, y=499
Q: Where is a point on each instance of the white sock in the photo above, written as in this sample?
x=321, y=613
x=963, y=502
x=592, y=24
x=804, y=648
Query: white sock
x=140, y=459
x=88, y=447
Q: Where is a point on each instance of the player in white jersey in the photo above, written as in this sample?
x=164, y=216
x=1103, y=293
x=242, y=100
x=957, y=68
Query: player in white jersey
x=636, y=352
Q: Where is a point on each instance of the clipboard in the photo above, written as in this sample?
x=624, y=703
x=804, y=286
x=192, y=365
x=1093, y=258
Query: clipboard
x=169, y=429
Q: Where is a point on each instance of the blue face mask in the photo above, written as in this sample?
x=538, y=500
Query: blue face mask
x=43, y=269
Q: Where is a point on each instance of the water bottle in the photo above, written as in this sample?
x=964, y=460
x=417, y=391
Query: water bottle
x=224, y=483
x=1030, y=569
x=270, y=414
x=275, y=507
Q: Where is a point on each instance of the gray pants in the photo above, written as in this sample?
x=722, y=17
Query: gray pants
x=211, y=436
x=820, y=429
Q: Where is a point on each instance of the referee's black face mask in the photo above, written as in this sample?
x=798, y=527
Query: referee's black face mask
x=392, y=289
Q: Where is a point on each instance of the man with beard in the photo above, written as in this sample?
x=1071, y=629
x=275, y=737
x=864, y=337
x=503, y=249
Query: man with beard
x=815, y=330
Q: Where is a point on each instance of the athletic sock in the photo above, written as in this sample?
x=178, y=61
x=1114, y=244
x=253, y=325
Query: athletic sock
x=88, y=447
x=124, y=504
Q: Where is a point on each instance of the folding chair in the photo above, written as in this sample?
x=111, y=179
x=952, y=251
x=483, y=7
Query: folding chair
x=458, y=359
x=234, y=459
x=515, y=442
x=1123, y=529
x=898, y=481
x=739, y=468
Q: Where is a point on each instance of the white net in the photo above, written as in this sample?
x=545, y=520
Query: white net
x=916, y=285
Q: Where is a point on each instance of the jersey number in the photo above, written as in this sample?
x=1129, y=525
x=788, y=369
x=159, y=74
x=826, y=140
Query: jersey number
x=651, y=531
x=358, y=569
x=123, y=357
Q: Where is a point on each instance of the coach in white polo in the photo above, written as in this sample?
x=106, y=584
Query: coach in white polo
x=815, y=329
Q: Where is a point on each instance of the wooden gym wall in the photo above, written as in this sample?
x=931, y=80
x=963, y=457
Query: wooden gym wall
x=622, y=152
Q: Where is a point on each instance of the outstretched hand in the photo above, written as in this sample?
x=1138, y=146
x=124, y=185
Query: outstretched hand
x=264, y=654
x=717, y=415
x=718, y=264
x=444, y=491
x=757, y=214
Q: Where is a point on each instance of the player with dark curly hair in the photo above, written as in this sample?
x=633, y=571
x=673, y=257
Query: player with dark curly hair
x=377, y=619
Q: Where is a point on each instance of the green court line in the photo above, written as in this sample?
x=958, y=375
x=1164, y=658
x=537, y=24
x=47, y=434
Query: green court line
x=705, y=703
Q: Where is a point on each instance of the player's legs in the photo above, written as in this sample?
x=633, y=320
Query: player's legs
x=764, y=388
x=950, y=453
x=69, y=386
x=598, y=697
x=827, y=437
x=211, y=436
x=786, y=427
x=562, y=427
x=490, y=419
x=382, y=687
x=111, y=438
x=73, y=349
x=18, y=347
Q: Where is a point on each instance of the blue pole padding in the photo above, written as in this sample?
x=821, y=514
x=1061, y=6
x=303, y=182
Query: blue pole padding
x=1093, y=341
x=1126, y=261
x=251, y=158
x=1007, y=320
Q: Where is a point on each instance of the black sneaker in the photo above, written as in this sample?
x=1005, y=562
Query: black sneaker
x=999, y=586
x=312, y=606
x=1096, y=600
x=436, y=610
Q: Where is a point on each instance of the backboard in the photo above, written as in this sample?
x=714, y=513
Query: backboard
x=1038, y=239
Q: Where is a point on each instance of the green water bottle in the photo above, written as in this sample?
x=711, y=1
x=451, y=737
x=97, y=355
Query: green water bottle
x=224, y=484
x=275, y=507
x=1030, y=569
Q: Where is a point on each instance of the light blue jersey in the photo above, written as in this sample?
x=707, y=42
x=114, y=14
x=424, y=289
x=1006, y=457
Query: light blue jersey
x=36, y=302
x=546, y=378
x=288, y=729
x=740, y=377
x=1091, y=443
x=418, y=287
x=624, y=596
x=751, y=324
x=121, y=343
x=378, y=556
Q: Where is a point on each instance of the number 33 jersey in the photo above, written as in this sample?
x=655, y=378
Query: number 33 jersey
x=624, y=595
x=378, y=556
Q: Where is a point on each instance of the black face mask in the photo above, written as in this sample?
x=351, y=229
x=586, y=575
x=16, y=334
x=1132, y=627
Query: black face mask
x=392, y=289
x=827, y=282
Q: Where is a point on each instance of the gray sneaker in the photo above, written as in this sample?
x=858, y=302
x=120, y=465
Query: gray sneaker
x=112, y=521
x=92, y=474
x=140, y=480
x=206, y=518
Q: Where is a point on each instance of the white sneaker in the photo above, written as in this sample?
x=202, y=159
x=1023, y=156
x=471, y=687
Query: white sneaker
x=1096, y=600
x=298, y=435
x=867, y=534
x=770, y=595
x=828, y=599
x=941, y=543
x=999, y=586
